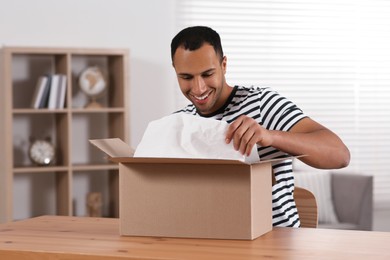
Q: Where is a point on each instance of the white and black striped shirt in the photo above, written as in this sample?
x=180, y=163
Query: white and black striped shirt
x=273, y=112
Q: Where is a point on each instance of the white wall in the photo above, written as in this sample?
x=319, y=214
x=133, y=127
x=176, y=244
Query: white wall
x=143, y=26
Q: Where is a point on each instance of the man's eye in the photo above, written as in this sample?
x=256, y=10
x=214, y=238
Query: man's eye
x=186, y=77
x=206, y=75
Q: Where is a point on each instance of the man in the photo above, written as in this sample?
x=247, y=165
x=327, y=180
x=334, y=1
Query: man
x=257, y=116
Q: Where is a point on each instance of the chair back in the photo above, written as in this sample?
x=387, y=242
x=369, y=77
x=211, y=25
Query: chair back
x=307, y=207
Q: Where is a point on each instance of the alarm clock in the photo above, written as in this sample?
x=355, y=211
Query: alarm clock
x=41, y=152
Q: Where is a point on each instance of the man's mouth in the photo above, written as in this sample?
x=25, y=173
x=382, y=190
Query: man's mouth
x=203, y=97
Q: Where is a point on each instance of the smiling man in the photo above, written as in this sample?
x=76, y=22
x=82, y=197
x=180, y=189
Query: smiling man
x=257, y=116
x=201, y=76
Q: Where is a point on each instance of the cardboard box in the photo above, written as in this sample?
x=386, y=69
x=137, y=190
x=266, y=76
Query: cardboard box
x=191, y=198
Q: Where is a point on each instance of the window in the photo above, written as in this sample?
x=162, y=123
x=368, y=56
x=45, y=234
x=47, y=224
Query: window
x=332, y=58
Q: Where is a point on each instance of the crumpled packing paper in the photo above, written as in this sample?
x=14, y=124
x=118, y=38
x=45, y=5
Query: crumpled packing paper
x=186, y=136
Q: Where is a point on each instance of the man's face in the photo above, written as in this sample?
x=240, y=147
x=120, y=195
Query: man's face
x=201, y=77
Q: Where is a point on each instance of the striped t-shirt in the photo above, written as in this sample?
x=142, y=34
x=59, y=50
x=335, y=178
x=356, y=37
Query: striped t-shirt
x=273, y=112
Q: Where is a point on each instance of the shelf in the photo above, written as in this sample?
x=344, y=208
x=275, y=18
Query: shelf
x=73, y=110
x=84, y=167
x=64, y=51
x=68, y=128
x=37, y=169
x=38, y=111
x=98, y=110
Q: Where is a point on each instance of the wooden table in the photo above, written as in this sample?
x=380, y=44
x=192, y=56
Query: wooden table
x=55, y=237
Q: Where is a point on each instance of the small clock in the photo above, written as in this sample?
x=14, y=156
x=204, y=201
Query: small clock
x=41, y=151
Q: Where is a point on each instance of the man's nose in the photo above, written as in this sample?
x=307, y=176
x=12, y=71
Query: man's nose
x=199, y=86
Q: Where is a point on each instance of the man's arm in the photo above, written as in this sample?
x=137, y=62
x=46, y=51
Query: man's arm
x=324, y=149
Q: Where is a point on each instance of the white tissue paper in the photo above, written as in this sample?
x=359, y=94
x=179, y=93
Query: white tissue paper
x=186, y=136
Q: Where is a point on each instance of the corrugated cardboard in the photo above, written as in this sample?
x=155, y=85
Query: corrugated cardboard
x=191, y=198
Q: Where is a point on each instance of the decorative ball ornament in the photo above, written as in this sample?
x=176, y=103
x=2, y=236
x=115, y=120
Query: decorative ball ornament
x=41, y=152
x=93, y=83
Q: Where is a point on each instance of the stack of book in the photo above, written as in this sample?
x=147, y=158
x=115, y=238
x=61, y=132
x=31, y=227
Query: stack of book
x=50, y=92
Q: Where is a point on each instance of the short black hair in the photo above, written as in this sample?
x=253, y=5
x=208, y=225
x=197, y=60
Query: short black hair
x=192, y=38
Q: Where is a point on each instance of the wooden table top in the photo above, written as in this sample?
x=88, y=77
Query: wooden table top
x=60, y=237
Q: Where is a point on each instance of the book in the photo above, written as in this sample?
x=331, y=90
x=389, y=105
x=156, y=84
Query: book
x=39, y=90
x=45, y=95
x=61, y=92
x=54, y=89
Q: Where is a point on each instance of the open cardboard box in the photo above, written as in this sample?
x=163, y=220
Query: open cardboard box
x=191, y=198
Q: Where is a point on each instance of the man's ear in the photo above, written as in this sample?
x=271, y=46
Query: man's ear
x=223, y=64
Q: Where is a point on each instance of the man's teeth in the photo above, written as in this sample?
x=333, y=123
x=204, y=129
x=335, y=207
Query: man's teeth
x=202, y=97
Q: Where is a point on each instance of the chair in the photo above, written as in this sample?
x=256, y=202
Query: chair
x=338, y=207
x=307, y=207
x=354, y=210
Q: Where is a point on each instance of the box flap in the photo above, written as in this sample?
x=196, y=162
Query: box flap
x=120, y=152
x=113, y=147
x=175, y=160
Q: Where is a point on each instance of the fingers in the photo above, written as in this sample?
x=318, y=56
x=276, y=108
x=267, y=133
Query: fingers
x=243, y=133
x=246, y=142
x=232, y=129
